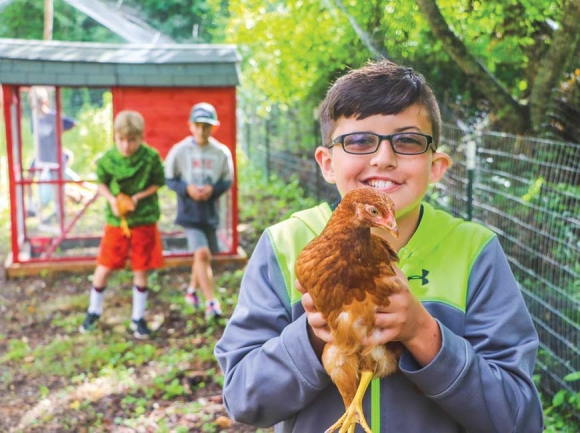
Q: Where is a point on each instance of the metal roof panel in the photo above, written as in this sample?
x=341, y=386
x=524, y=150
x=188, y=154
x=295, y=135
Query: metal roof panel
x=92, y=52
x=119, y=64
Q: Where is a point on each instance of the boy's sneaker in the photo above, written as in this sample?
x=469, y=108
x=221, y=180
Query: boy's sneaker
x=90, y=323
x=193, y=300
x=213, y=310
x=141, y=329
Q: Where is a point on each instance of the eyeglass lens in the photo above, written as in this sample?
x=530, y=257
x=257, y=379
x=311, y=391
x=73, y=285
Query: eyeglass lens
x=405, y=143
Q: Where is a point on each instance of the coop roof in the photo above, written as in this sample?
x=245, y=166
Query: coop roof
x=34, y=62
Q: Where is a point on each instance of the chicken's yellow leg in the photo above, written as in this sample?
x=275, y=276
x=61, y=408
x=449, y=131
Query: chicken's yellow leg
x=125, y=227
x=354, y=413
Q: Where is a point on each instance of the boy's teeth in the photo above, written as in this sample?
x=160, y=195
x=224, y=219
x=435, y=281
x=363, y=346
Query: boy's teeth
x=380, y=183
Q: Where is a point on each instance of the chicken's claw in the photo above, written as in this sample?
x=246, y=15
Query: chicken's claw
x=125, y=205
x=125, y=227
x=354, y=413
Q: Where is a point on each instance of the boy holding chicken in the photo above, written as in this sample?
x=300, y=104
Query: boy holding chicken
x=128, y=176
x=469, y=342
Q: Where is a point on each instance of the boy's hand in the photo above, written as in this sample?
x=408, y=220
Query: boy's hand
x=125, y=204
x=113, y=204
x=193, y=192
x=206, y=192
x=318, y=332
x=199, y=193
x=406, y=320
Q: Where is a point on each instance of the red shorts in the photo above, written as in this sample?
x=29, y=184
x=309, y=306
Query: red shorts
x=143, y=248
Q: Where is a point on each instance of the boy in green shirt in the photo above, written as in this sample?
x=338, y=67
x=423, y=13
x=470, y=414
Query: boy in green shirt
x=136, y=170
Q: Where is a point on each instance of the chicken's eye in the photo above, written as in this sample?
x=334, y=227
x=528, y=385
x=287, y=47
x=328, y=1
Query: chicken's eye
x=373, y=211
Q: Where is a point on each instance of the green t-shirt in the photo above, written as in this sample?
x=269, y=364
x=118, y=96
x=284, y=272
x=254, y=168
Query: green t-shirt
x=131, y=175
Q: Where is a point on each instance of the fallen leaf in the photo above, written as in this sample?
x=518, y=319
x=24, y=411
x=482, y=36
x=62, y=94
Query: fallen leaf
x=223, y=422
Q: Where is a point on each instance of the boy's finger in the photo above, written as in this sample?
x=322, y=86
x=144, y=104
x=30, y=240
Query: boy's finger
x=299, y=287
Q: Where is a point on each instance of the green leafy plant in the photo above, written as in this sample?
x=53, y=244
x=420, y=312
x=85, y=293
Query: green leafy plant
x=559, y=413
x=17, y=350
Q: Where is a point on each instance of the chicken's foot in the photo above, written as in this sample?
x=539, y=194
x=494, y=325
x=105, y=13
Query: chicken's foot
x=125, y=227
x=354, y=413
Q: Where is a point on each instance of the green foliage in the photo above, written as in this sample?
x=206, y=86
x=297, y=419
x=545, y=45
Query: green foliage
x=275, y=68
x=264, y=202
x=17, y=350
x=24, y=19
x=183, y=20
x=92, y=136
x=560, y=412
x=535, y=189
x=508, y=38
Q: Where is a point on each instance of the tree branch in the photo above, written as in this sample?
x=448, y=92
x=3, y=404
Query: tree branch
x=487, y=84
x=377, y=52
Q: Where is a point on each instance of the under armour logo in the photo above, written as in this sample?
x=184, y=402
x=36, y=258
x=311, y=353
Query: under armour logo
x=422, y=277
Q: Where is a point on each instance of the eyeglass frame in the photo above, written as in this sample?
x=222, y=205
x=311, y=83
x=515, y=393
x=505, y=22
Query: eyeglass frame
x=388, y=137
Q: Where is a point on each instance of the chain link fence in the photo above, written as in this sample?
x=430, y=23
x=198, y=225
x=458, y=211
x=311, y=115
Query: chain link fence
x=526, y=190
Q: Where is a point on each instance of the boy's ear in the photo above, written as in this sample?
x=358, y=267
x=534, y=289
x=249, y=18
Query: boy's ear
x=323, y=156
x=439, y=165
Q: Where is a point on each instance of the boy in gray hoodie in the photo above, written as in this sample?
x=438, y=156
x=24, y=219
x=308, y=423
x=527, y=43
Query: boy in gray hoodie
x=200, y=169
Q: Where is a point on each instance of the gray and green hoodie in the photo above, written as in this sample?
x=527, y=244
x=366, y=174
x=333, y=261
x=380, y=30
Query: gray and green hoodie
x=481, y=380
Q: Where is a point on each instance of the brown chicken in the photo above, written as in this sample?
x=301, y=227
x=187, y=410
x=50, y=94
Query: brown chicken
x=125, y=205
x=345, y=269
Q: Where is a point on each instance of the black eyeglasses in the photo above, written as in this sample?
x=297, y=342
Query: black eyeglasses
x=365, y=143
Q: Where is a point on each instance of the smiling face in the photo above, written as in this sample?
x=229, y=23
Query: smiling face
x=405, y=178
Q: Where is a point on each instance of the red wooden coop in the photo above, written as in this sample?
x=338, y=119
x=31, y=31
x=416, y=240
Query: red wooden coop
x=56, y=215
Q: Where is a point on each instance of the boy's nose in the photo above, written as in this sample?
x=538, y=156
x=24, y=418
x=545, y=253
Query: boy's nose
x=124, y=144
x=385, y=156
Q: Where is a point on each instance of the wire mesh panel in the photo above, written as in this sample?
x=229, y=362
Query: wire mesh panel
x=452, y=194
x=528, y=192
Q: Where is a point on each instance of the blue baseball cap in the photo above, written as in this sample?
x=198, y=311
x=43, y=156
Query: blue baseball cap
x=204, y=113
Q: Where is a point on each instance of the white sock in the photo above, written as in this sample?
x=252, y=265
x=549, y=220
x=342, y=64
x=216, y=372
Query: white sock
x=139, y=302
x=96, y=301
x=191, y=290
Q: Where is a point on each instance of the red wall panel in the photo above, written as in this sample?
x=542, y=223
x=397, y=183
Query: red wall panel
x=166, y=112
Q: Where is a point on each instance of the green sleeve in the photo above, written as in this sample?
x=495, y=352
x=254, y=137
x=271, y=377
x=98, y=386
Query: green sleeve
x=104, y=176
x=158, y=172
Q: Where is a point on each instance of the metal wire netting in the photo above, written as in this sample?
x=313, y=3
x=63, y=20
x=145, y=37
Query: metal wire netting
x=527, y=190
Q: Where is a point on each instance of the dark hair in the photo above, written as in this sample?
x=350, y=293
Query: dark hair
x=377, y=88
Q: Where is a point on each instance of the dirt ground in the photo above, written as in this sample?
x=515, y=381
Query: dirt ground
x=40, y=312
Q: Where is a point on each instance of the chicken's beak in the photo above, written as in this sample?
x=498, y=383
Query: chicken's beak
x=390, y=224
x=384, y=231
x=393, y=230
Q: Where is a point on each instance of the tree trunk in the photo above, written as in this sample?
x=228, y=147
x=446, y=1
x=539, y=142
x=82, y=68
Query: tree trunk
x=564, y=43
x=513, y=113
